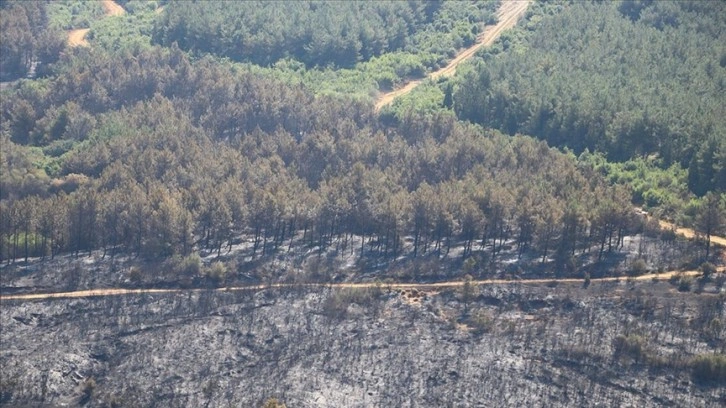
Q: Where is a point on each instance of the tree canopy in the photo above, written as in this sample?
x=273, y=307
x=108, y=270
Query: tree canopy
x=628, y=79
x=154, y=153
x=28, y=42
x=319, y=33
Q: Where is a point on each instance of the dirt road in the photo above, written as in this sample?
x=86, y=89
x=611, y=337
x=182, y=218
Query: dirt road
x=366, y=285
x=112, y=8
x=508, y=15
x=691, y=234
x=77, y=38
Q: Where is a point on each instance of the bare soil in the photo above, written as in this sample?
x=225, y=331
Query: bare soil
x=77, y=38
x=691, y=234
x=112, y=8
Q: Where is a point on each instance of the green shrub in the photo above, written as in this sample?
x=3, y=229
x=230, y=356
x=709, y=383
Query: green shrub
x=336, y=305
x=274, y=403
x=134, y=275
x=709, y=369
x=190, y=265
x=684, y=284
x=481, y=322
x=217, y=272
x=638, y=267
x=88, y=387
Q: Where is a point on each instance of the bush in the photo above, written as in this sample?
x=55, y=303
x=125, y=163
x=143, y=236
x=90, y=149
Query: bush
x=684, y=284
x=638, y=267
x=87, y=389
x=632, y=346
x=134, y=275
x=709, y=369
x=190, y=265
x=707, y=268
x=720, y=280
x=336, y=305
x=481, y=322
x=273, y=403
x=217, y=272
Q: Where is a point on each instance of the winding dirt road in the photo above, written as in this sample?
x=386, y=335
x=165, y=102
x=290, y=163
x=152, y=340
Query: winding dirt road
x=508, y=15
x=77, y=38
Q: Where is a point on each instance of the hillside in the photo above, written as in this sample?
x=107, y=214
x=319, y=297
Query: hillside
x=625, y=78
x=207, y=206
x=610, y=344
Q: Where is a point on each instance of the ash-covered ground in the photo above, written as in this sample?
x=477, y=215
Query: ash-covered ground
x=622, y=344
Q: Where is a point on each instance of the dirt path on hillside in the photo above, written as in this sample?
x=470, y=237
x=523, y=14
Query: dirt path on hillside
x=508, y=15
x=691, y=234
x=77, y=38
x=365, y=285
x=112, y=8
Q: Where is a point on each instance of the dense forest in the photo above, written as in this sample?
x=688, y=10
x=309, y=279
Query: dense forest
x=158, y=155
x=322, y=33
x=629, y=79
x=153, y=151
x=29, y=43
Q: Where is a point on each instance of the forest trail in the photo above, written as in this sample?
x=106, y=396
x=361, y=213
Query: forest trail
x=508, y=15
x=366, y=285
x=691, y=234
x=77, y=38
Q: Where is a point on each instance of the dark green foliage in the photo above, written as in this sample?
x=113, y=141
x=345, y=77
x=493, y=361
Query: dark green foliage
x=28, y=43
x=161, y=156
x=590, y=78
x=317, y=33
x=322, y=33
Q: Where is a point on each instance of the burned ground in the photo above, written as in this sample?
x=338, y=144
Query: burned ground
x=611, y=344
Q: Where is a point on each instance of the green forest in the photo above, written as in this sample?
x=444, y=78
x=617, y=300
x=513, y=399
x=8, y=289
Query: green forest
x=321, y=33
x=628, y=79
x=191, y=130
x=101, y=158
x=29, y=42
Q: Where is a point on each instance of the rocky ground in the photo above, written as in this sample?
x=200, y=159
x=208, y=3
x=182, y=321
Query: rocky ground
x=514, y=345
